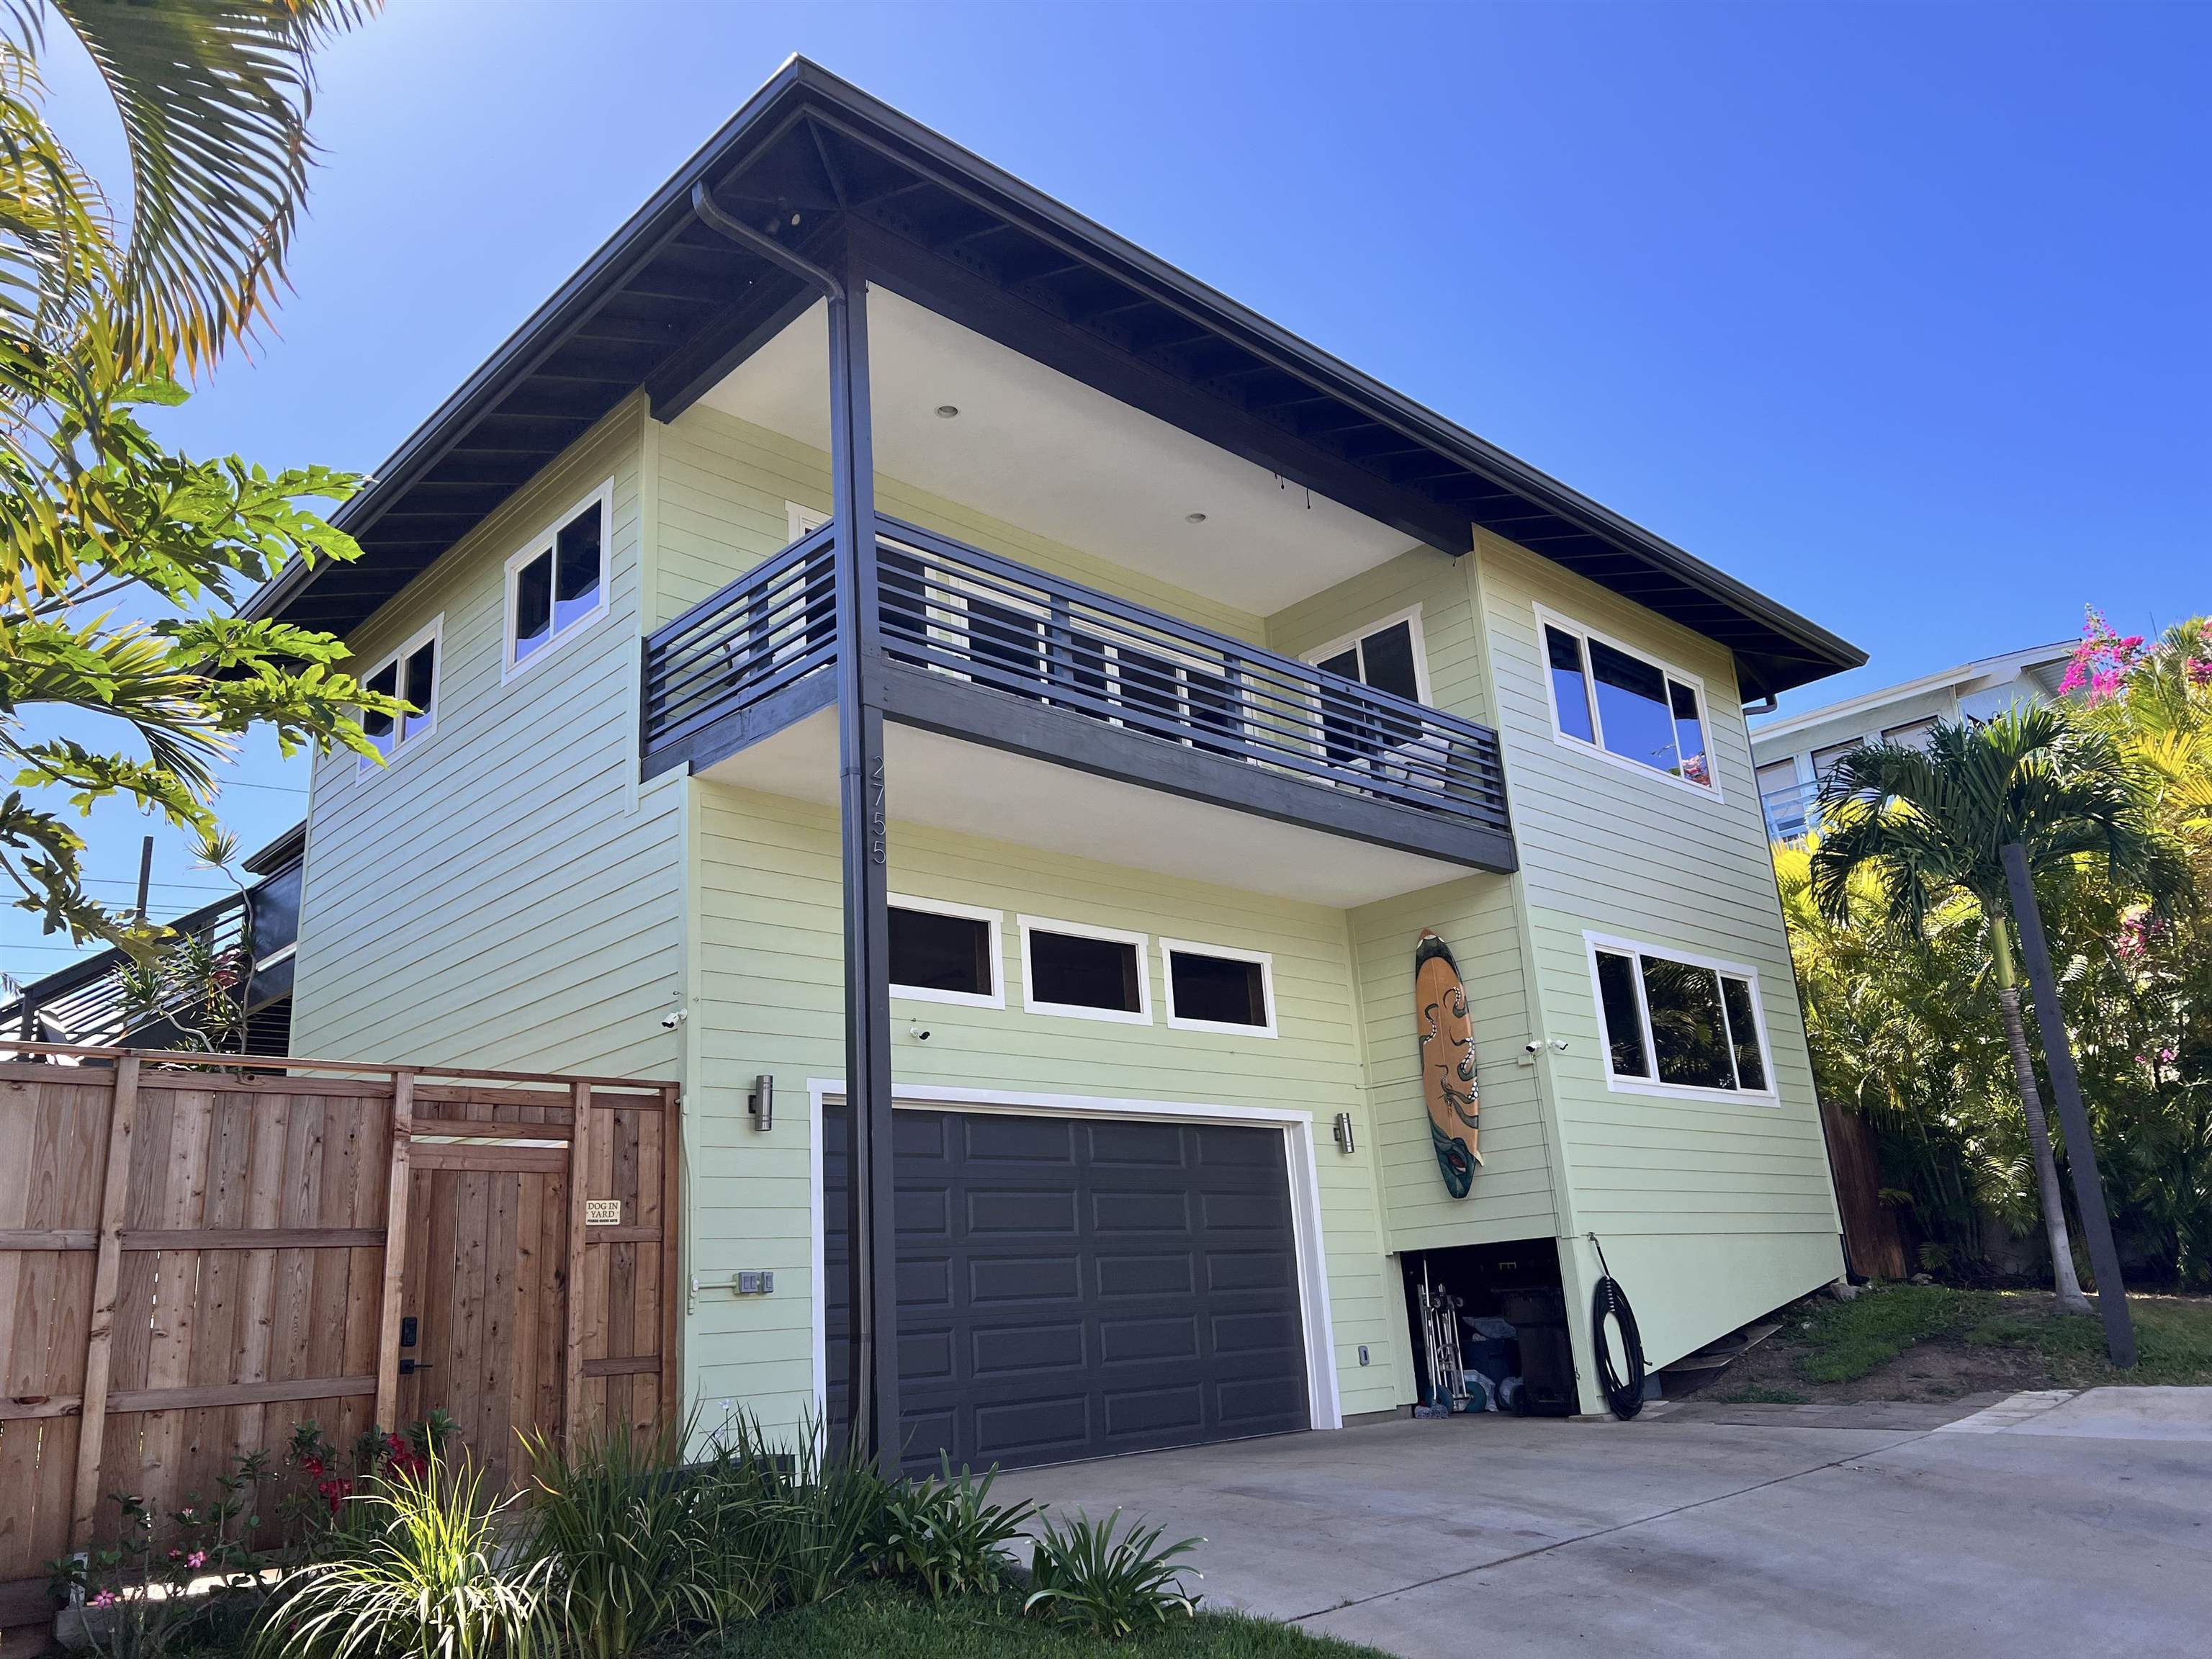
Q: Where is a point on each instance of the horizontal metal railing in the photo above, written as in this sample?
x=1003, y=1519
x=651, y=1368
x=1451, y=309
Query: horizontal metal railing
x=954, y=610
x=1792, y=811
x=85, y=1003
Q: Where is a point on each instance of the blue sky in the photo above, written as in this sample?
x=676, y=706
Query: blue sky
x=1898, y=313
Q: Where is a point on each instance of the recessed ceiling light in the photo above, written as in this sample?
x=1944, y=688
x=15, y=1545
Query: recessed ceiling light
x=946, y=411
x=1194, y=518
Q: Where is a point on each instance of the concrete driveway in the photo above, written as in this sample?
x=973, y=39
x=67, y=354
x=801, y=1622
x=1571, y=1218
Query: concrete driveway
x=2058, y=1524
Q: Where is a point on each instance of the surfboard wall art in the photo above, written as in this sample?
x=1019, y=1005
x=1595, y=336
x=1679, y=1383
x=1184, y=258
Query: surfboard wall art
x=1448, y=1080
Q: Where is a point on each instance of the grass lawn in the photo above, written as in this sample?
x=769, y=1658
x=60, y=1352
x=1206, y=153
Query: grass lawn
x=1931, y=1341
x=882, y=1622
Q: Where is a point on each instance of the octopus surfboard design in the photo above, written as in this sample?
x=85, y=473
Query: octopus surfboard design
x=1448, y=1079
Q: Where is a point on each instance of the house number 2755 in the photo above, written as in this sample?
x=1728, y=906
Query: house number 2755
x=878, y=822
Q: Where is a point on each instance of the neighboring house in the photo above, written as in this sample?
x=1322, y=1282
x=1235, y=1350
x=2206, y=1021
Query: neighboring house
x=1795, y=753
x=83, y=1004
x=1212, y=673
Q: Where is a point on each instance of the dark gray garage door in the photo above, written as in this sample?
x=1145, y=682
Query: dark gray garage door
x=1074, y=1288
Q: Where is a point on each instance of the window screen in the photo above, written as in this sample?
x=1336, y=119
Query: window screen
x=1079, y=972
x=932, y=951
x=576, y=586
x=1219, y=990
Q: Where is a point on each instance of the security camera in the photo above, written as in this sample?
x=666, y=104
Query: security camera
x=669, y=1023
x=920, y=1033
x=1533, y=1048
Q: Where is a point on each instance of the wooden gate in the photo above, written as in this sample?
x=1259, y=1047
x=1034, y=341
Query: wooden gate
x=192, y=1260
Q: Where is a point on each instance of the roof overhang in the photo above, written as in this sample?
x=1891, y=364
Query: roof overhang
x=671, y=306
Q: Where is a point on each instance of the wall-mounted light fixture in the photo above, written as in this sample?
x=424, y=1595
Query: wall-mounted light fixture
x=1344, y=1142
x=761, y=1103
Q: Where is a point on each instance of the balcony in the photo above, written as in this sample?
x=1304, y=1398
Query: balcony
x=1044, y=672
x=1792, y=811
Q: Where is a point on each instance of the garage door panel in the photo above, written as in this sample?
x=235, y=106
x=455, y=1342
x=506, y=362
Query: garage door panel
x=1072, y=1288
x=1001, y=1210
x=1115, y=1212
x=1123, y=1274
x=1035, y=1430
x=1230, y=1271
x=1133, y=1412
x=1023, y=1350
x=991, y=1139
x=1026, y=1278
x=1144, y=1145
x=1123, y=1340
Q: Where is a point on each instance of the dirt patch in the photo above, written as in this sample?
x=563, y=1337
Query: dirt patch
x=1933, y=1369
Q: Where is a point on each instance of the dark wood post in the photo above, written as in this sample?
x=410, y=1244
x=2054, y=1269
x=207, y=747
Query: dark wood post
x=2073, y=1116
x=874, y=1390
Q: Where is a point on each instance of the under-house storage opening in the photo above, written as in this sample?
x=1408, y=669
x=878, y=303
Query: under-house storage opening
x=1489, y=1325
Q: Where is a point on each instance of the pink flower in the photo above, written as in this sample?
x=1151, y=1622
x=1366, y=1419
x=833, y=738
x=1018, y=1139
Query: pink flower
x=105, y=1598
x=197, y=1560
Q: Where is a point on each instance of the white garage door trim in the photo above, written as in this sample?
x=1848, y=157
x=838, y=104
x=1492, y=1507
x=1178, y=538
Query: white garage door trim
x=1297, y=1127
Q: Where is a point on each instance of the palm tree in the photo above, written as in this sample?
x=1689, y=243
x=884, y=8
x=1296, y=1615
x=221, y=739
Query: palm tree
x=1931, y=823
x=213, y=98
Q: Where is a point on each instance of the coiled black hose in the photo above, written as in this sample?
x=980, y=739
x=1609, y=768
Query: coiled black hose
x=1625, y=1397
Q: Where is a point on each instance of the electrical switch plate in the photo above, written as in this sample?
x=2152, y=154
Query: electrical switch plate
x=751, y=1282
x=1363, y=1353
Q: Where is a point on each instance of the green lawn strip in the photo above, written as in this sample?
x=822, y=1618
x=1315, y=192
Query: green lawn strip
x=1843, y=1341
x=884, y=1622
x=2173, y=1340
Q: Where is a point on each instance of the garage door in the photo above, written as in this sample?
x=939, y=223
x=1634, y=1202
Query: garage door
x=1074, y=1288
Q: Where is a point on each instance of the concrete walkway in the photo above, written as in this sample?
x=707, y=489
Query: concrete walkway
x=2050, y=1524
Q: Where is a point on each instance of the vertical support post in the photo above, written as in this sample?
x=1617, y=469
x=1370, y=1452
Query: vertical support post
x=672, y=1256
x=572, y=1346
x=395, y=1251
x=106, y=1279
x=874, y=1394
x=2073, y=1116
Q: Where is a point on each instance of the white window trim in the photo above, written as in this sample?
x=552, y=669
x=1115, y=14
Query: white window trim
x=402, y=744
x=604, y=497
x=1594, y=943
x=1176, y=1022
x=1412, y=615
x=1547, y=618
x=1324, y=1399
x=1143, y=1016
x=802, y=521
x=996, y=997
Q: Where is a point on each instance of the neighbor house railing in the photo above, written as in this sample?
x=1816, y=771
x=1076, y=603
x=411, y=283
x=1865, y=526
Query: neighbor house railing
x=1792, y=811
x=953, y=609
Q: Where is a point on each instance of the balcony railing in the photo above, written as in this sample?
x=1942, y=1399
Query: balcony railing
x=952, y=614
x=1792, y=811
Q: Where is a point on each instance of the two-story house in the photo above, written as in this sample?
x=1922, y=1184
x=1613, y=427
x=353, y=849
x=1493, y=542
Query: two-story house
x=872, y=611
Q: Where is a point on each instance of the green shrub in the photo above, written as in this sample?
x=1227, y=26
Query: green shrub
x=945, y=1536
x=1085, y=1576
x=425, y=1584
x=628, y=1542
x=791, y=1527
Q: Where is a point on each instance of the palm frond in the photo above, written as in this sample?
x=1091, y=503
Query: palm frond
x=213, y=98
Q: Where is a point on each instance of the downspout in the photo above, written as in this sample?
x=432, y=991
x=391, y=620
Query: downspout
x=712, y=215
x=864, y=833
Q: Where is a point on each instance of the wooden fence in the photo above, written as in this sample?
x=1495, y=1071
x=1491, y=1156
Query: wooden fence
x=193, y=1259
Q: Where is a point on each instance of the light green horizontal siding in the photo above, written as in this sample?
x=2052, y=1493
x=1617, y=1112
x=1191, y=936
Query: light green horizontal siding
x=768, y=997
x=1738, y=1188
x=501, y=894
x=1442, y=589
x=1511, y=1197
x=725, y=481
